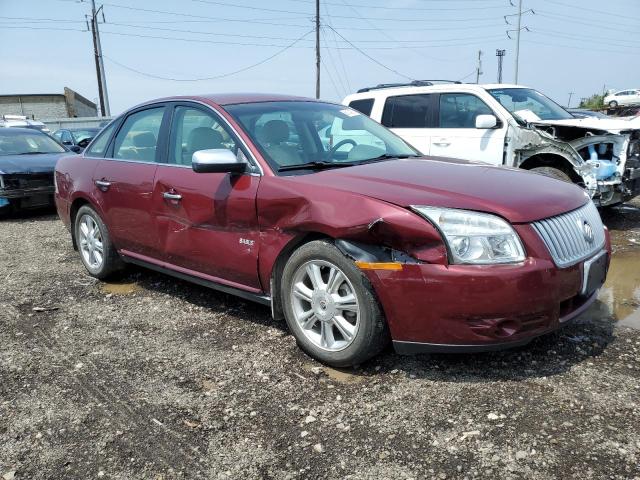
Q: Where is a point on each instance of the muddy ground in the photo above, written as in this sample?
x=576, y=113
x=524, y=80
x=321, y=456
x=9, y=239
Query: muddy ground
x=154, y=378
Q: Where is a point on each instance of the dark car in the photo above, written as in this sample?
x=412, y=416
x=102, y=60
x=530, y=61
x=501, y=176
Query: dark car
x=27, y=161
x=354, y=241
x=80, y=137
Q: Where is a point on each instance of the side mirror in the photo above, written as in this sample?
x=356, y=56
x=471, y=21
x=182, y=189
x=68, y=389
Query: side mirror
x=486, y=121
x=217, y=160
x=75, y=148
x=67, y=142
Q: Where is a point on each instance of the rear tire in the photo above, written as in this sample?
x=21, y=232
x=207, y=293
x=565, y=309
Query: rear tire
x=97, y=253
x=330, y=306
x=553, y=173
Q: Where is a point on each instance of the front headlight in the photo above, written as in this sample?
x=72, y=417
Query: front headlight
x=475, y=238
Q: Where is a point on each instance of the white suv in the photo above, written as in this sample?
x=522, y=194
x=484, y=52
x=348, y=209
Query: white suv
x=513, y=126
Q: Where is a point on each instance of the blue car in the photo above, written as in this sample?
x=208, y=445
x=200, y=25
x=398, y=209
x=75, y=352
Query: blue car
x=27, y=160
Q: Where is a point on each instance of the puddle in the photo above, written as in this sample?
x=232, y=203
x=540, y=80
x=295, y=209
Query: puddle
x=120, y=288
x=340, y=376
x=619, y=298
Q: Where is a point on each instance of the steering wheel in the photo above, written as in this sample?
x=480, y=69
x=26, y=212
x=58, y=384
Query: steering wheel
x=335, y=148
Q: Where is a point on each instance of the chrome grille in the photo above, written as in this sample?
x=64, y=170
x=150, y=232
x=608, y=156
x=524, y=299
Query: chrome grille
x=564, y=235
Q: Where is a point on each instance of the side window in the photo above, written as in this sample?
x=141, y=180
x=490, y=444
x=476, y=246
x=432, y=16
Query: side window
x=407, y=111
x=459, y=110
x=138, y=136
x=99, y=146
x=194, y=130
x=58, y=135
x=364, y=105
x=66, y=138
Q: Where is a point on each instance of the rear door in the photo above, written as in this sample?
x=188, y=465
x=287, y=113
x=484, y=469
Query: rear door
x=124, y=180
x=457, y=135
x=207, y=222
x=412, y=118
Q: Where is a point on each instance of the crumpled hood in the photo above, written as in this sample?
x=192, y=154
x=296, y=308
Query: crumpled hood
x=38, y=163
x=516, y=195
x=613, y=125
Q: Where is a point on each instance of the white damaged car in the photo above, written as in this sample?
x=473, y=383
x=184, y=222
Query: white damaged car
x=513, y=126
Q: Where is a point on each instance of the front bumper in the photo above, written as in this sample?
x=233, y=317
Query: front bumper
x=453, y=308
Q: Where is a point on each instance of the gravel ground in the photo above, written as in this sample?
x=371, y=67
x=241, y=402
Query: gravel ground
x=154, y=378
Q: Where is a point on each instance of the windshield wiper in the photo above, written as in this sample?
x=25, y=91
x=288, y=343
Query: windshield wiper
x=388, y=156
x=33, y=153
x=316, y=166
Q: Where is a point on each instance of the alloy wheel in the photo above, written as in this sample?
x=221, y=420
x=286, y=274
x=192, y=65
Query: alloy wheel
x=90, y=242
x=325, y=305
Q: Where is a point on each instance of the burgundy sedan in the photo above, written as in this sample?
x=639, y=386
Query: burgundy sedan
x=336, y=223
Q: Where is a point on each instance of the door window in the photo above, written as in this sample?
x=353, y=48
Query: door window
x=194, y=130
x=138, y=136
x=459, y=110
x=100, y=144
x=364, y=105
x=66, y=138
x=407, y=111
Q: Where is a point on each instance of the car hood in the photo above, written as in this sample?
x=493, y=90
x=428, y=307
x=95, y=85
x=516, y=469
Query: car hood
x=516, y=195
x=613, y=125
x=38, y=163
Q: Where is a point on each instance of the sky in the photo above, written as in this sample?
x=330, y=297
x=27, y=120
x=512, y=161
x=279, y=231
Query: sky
x=155, y=48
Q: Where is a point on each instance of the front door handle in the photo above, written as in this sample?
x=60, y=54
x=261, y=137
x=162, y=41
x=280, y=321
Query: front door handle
x=103, y=185
x=442, y=143
x=172, y=196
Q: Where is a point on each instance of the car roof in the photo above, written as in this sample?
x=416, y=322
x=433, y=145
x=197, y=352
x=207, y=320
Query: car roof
x=21, y=130
x=440, y=87
x=235, y=98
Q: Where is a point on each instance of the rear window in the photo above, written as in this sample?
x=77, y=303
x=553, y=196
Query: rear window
x=364, y=105
x=407, y=111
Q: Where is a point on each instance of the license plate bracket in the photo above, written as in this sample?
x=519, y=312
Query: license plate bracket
x=594, y=273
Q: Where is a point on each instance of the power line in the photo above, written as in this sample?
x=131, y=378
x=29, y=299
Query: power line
x=381, y=7
x=251, y=7
x=581, y=7
x=216, y=77
x=370, y=57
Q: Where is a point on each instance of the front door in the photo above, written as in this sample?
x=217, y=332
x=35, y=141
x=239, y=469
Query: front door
x=124, y=181
x=206, y=222
x=457, y=135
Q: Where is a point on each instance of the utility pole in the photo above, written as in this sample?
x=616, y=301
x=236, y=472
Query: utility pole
x=500, y=54
x=97, y=51
x=569, y=102
x=479, y=67
x=317, y=48
x=518, y=38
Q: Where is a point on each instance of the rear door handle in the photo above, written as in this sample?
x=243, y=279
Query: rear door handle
x=442, y=143
x=172, y=196
x=103, y=185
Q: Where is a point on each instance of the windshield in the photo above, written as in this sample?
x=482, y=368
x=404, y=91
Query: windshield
x=307, y=134
x=20, y=142
x=527, y=105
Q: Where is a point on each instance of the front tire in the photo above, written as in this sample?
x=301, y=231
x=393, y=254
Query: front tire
x=97, y=253
x=553, y=173
x=613, y=104
x=330, y=306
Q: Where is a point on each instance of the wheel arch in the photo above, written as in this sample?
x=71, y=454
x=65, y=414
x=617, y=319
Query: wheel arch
x=552, y=160
x=77, y=203
x=281, y=261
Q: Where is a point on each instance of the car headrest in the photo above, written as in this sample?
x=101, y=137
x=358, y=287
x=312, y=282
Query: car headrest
x=275, y=131
x=204, y=138
x=144, y=140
